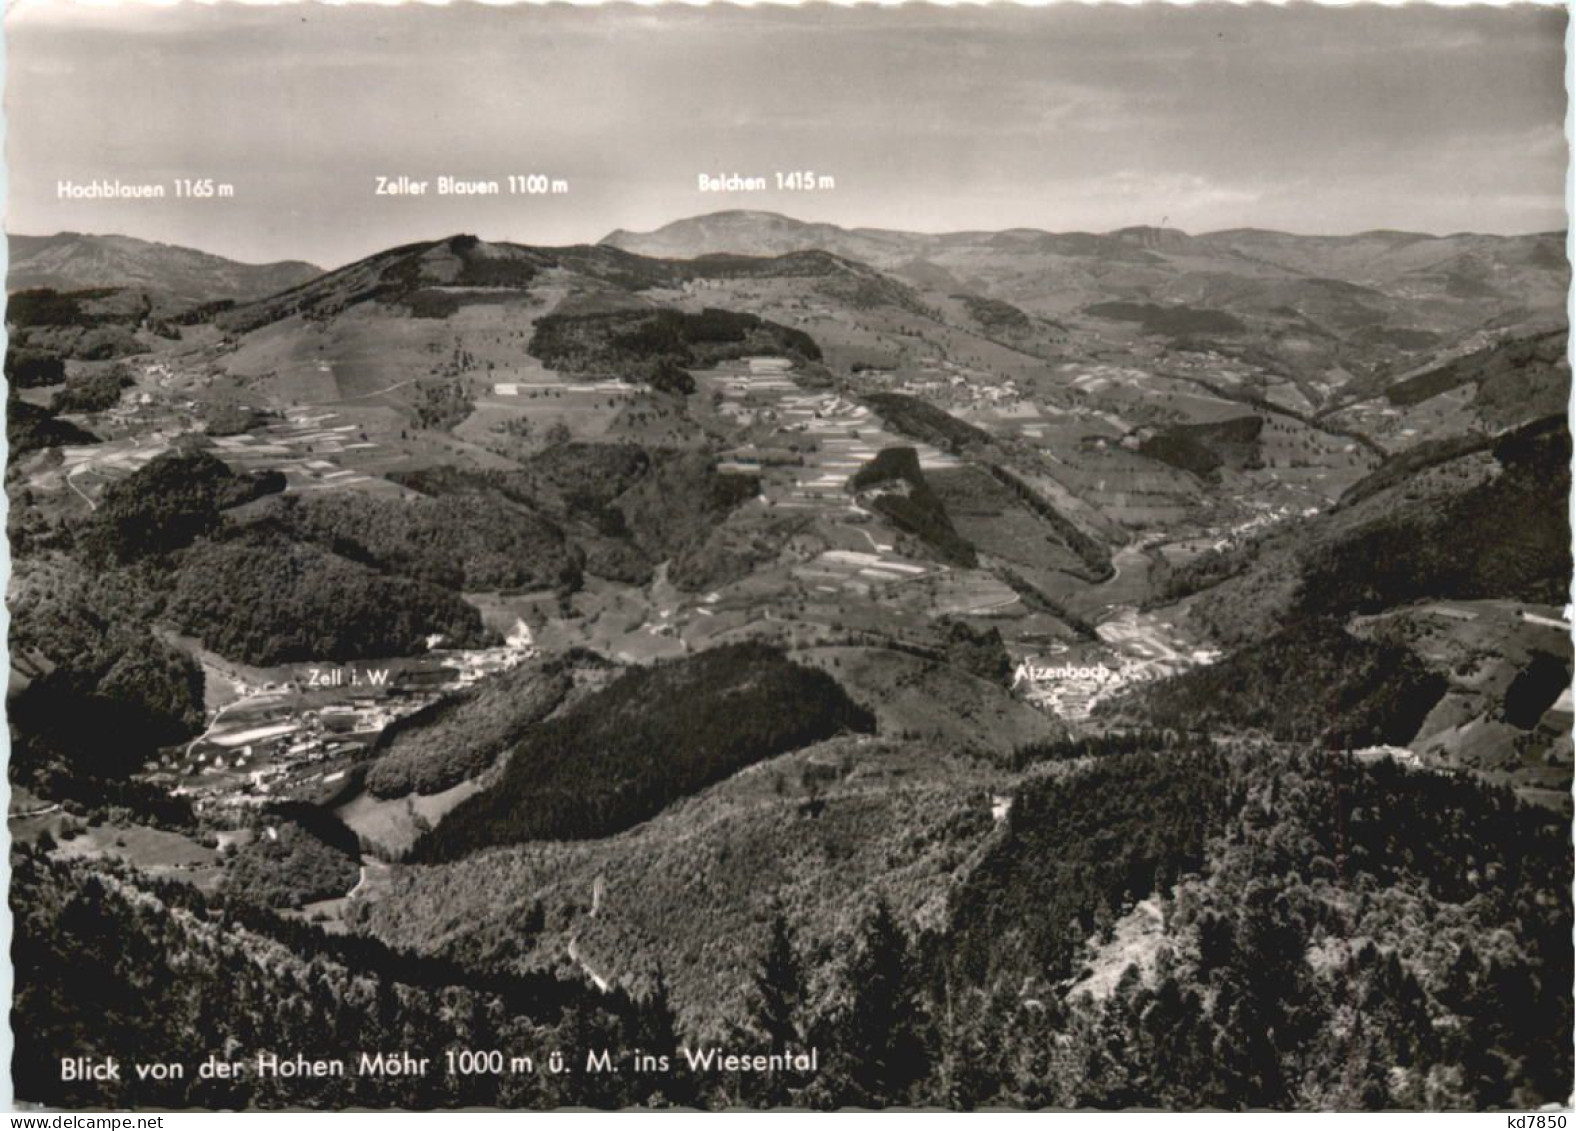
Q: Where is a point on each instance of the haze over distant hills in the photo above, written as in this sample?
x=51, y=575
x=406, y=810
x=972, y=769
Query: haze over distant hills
x=1051, y=271
x=79, y=261
x=1374, y=254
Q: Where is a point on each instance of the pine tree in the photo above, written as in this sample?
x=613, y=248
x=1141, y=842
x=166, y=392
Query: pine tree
x=884, y=1034
x=655, y=1032
x=779, y=989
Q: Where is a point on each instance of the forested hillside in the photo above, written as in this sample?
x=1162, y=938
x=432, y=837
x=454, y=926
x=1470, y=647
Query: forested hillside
x=1507, y=537
x=613, y=510
x=111, y=964
x=655, y=735
x=265, y=600
x=466, y=543
x=1336, y=935
x=893, y=484
x=103, y=672
x=1310, y=682
x=658, y=344
x=458, y=738
x=1471, y=519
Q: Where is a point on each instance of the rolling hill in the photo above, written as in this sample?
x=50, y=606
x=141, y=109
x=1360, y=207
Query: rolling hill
x=70, y=261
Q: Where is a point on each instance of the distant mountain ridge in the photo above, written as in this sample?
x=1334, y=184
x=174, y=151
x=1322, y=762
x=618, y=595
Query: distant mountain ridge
x=1380, y=252
x=1314, y=306
x=78, y=261
x=1461, y=265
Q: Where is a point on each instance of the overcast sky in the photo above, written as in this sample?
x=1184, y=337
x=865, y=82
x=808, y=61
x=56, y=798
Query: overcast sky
x=1322, y=120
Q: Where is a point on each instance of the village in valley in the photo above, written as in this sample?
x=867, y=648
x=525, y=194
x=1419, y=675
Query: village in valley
x=291, y=731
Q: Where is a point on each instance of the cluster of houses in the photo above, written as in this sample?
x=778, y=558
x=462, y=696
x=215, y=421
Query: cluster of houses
x=280, y=738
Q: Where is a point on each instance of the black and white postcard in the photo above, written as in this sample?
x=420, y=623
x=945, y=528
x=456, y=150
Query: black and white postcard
x=788, y=557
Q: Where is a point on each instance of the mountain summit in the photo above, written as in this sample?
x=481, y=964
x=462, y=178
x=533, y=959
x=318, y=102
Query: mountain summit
x=70, y=261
